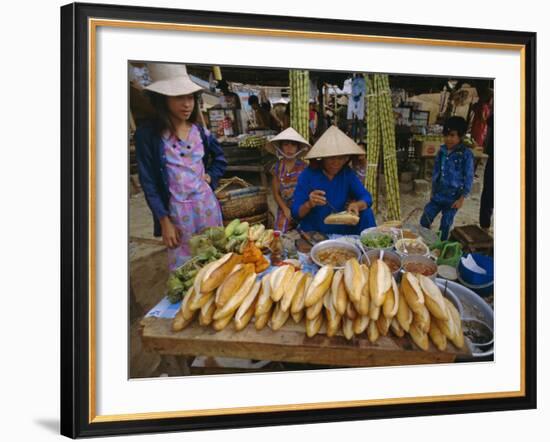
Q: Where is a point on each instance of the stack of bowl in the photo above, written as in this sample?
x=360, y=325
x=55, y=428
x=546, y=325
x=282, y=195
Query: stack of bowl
x=481, y=283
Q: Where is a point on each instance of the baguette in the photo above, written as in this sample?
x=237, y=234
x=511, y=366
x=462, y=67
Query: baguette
x=339, y=294
x=419, y=337
x=293, y=289
x=313, y=325
x=261, y=321
x=344, y=217
x=391, y=303
x=320, y=284
x=433, y=299
x=347, y=328
x=299, y=300
x=379, y=282
x=360, y=324
x=437, y=336
x=280, y=281
x=279, y=317
x=264, y=298
x=248, y=301
x=206, y=314
x=245, y=318
x=396, y=328
x=218, y=271
x=235, y=301
x=354, y=279
x=404, y=313
x=372, y=332
x=413, y=292
x=233, y=283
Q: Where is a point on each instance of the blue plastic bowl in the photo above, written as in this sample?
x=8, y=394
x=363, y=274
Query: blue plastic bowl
x=477, y=279
x=482, y=290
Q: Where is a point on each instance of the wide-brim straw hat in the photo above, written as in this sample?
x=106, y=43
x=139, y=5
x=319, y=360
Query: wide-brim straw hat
x=287, y=135
x=333, y=143
x=171, y=80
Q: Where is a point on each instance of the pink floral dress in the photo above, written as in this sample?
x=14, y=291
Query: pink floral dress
x=193, y=205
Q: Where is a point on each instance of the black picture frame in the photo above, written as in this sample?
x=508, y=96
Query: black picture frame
x=77, y=417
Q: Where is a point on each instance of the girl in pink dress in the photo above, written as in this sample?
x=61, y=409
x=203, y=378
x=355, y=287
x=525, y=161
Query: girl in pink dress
x=179, y=163
x=289, y=146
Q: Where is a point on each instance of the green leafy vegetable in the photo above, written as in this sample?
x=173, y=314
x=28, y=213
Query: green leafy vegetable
x=377, y=240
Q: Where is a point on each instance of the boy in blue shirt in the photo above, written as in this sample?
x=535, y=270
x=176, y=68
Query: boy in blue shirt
x=452, y=177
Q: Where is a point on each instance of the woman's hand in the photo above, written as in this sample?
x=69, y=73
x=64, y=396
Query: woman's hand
x=286, y=212
x=170, y=234
x=356, y=206
x=207, y=178
x=317, y=198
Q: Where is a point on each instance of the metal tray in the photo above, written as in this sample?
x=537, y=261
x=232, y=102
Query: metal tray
x=473, y=306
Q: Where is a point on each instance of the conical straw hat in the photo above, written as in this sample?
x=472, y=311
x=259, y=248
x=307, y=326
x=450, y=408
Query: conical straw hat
x=286, y=135
x=171, y=79
x=332, y=143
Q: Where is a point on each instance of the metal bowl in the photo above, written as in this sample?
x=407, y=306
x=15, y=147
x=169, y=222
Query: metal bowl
x=474, y=307
x=402, y=244
x=375, y=254
x=333, y=243
x=380, y=231
x=422, y=260
x=479, y=332
x=450, y=295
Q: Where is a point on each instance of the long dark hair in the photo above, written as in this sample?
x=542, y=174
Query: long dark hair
x=160, y=104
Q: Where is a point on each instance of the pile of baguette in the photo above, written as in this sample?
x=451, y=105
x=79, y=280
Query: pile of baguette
x=350, y=301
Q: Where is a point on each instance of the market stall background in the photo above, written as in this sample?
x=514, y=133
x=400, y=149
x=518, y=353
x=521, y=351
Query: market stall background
x=419, y=106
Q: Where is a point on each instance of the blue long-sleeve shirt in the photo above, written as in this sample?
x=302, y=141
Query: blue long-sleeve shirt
x=153, y=175
x=338, y=191
x=453, y=173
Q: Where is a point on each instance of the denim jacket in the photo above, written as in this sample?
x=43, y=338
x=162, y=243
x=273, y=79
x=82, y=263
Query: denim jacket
x=153, y=175
x=453, y=172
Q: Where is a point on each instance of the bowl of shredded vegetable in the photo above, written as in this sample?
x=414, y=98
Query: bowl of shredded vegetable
x=375, y=239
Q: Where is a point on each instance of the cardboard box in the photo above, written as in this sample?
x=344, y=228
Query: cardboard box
x=427, y=148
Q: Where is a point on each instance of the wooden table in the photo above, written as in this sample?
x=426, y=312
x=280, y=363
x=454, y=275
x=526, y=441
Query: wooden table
x=290, y=344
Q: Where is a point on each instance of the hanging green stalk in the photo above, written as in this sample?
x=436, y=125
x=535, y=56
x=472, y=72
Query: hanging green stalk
x=373, y=140
x=388, y=140
x=299, y=96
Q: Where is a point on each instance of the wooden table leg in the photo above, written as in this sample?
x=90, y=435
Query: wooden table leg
x=179, y=364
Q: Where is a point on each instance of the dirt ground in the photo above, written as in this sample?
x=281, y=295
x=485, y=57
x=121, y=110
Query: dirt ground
x=148, y=264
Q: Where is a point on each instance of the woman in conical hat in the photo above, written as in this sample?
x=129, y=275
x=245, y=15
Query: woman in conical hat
x=326, y=186
x=289, y=146
x=179, y=162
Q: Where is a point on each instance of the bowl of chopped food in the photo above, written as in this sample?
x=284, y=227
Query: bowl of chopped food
x=377, y=239
x=419, y=264
x=408, y=247
x=334, y=252
x=478, y=332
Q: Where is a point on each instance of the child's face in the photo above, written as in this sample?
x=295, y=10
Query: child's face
x=181, y=106
x=451, y=139
x=289, y=148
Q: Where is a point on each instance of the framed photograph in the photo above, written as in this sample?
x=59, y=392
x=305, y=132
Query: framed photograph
x=232, y=256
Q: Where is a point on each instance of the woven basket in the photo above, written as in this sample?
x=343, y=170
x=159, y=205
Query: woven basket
x=239, y=199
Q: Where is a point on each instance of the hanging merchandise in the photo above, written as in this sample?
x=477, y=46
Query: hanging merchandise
x=373, y=142
x=356, y=104
x=299, y=103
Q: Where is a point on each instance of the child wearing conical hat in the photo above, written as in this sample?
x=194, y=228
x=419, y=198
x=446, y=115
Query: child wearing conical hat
x=289, y=146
